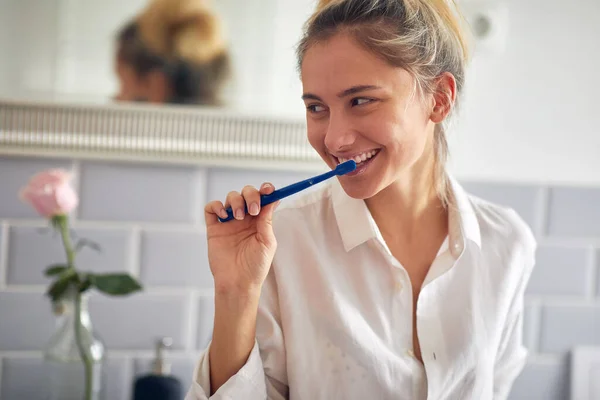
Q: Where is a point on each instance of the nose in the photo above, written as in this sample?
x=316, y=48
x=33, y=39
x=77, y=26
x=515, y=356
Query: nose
x=340, y=136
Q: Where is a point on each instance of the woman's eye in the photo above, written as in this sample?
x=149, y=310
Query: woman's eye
x=315, y=108
x=359, y=101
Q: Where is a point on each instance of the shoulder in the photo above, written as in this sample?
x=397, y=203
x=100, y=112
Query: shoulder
x=505, y=236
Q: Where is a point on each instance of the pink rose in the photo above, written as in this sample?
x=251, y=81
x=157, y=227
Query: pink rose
x=50, y=193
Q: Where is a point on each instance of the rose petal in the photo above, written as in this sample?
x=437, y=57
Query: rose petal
x=50, y=193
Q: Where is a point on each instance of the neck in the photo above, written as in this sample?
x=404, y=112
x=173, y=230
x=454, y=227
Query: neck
x=410, y=208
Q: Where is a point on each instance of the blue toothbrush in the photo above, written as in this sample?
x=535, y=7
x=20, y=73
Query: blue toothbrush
x=294, y=188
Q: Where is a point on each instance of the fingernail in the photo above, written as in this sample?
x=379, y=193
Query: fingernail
x=253, y=209
x=239, y=214
x=266, y=185
x=223, y=213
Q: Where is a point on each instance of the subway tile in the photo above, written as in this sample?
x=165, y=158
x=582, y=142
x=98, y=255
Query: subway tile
x=596, y=266
x=25, y=378
x=560, y=270
x=530, y=326
x=175, y=259
x=181, y=368
x=135, y=322
x=2, y=267
x=522, y=198
x=14, y=174
x=29, y=378
x=563, y=327
x=118, y=378
x=142, y=192
x=574, y=212
x=32, y=250
x=206, y=315
x=542, y=381
x=26, y=321
x=222, y=181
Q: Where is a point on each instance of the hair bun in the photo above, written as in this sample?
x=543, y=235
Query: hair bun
x=182, y=29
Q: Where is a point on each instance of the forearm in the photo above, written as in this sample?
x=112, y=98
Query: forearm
x=234, y=334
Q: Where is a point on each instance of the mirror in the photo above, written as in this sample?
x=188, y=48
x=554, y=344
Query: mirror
x=66, y=49
x=518, y=102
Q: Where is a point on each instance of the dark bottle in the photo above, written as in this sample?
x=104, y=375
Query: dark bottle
x=160, y=384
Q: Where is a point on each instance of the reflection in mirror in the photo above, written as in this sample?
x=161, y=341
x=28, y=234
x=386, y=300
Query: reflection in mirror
x=71, y=51
x=93, y=51
x=174, y=51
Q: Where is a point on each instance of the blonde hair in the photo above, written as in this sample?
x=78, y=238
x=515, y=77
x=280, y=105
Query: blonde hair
x=185, y=39
x=423, y=37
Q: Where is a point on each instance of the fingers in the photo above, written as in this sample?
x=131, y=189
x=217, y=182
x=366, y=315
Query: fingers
x=252, y=199
x=267, y=212
x=237, y=204
x=267, y=188
x=213, y=210
x=248, y=201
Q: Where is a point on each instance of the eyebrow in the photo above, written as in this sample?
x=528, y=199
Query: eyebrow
x=343, y=93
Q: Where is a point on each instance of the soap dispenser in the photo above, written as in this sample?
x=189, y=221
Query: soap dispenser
x=159, y=384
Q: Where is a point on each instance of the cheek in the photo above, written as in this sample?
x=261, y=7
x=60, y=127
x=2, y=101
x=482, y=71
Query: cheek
x=410, y=137
x=131, y=86
x=127, y=90
x=316, y=136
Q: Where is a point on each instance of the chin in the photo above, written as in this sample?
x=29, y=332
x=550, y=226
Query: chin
x=359, y=190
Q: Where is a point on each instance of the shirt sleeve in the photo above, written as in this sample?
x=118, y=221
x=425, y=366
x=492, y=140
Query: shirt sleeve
x=264, y=375
x=512, y=354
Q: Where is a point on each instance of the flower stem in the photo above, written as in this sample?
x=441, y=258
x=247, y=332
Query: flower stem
x=63, y=225
x=87, y=361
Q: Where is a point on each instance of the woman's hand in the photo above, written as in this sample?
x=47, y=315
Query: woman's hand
x=240, y=251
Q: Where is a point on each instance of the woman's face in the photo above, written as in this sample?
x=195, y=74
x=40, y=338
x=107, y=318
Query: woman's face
x=152, y=87
x=359, y=107
x=131, y=86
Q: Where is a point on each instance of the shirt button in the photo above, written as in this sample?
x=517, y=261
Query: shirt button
x=410, y=353
x=398, y=286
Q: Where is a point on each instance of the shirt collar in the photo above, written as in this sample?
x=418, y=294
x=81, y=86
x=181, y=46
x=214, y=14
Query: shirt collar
x=357, y=226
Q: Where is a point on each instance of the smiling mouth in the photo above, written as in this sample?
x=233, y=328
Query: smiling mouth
x=359, y=158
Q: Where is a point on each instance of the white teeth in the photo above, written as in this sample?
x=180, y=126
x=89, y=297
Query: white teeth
x=359, y=158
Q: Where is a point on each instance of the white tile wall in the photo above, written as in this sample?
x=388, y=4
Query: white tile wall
x=147, y=217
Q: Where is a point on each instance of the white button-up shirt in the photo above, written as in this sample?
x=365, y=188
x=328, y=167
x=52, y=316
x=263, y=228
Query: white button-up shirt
x=335, y=314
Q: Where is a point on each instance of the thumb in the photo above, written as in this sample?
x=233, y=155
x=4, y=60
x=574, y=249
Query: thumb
x=264, y=221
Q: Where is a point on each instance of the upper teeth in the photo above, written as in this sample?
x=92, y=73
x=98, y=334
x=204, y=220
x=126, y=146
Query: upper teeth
x=360, y=157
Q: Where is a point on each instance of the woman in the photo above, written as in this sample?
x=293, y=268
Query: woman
x=390, y=282
x=173, y=52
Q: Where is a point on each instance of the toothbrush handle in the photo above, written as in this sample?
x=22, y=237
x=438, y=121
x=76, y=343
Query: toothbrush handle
x=282, y=193
x=266, y=199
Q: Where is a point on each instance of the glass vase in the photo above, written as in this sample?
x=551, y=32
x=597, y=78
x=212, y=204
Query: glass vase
x=68, y=377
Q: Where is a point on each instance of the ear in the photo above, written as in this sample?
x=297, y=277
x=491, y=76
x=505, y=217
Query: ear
x=158, y=87
x=444, y=97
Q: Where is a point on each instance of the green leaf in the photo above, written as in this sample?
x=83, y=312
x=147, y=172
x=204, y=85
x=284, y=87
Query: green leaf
x=85, y=284
x=60, y=286
x=55, y=269
x=115, y=284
